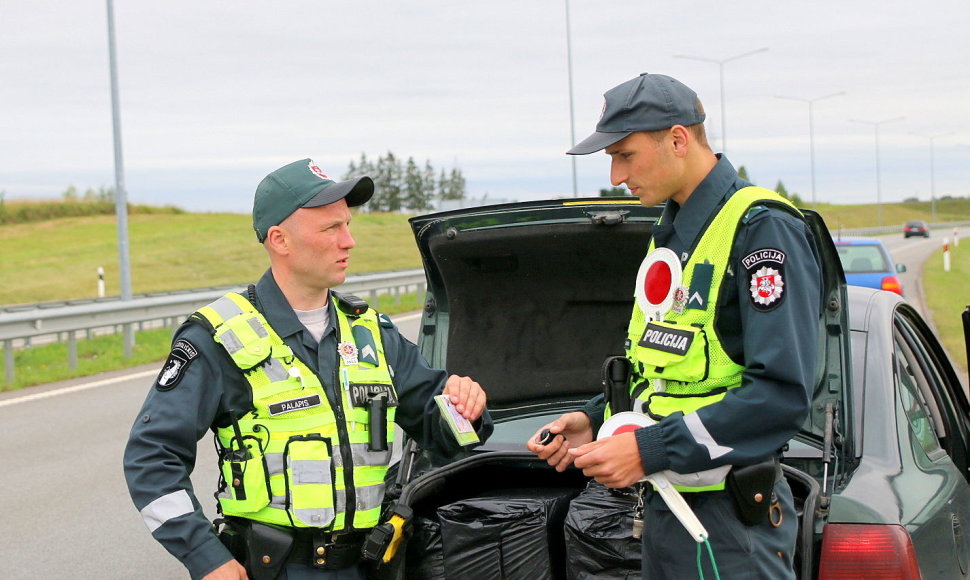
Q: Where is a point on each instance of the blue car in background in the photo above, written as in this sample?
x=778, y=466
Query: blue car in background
x=867, y=262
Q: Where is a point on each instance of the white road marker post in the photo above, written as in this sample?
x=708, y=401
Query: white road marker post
x=946, y=254
x=100, y=282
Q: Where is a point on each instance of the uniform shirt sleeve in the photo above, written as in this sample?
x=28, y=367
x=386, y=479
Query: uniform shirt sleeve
x=777, y=343
x=416, y=383
x=161, y=452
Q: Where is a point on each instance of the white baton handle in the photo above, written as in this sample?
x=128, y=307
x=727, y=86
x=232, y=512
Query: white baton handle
x=678, y=506
x=675, y=501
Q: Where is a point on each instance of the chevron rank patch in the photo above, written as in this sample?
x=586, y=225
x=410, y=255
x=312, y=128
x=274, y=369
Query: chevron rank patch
x=766, y=270
x=183, y=353
x=366, y=346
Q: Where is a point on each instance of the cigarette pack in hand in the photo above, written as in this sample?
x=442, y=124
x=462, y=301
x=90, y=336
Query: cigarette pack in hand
x=462, y=429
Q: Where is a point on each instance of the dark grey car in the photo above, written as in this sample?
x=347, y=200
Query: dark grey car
x=530, y=298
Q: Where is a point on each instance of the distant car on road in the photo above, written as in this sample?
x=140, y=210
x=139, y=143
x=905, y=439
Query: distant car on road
x=916, y=228
x=867, y=262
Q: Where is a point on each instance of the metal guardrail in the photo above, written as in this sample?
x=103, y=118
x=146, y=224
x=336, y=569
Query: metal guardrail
x=19, y=326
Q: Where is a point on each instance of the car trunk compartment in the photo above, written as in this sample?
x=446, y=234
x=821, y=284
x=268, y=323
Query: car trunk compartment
x=556, y=324
x=496, y=516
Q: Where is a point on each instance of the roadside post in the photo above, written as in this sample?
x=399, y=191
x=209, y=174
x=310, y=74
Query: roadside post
x=956, y=237
x=946, y=254
x=100, y=282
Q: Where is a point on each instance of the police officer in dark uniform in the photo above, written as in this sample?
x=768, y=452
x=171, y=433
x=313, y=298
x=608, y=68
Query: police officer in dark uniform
x=301, y=387
x=726, y=372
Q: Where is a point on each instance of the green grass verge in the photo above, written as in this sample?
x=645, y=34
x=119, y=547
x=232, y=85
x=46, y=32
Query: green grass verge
x=946, y=298
x=49, y=363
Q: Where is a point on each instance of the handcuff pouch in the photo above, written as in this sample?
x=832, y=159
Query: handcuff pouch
x=752, y=489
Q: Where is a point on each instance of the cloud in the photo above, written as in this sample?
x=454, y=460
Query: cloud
x=216, y=94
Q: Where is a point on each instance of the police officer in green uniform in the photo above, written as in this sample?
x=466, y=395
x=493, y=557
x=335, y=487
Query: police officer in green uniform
x=301, y=387
x=726, y=368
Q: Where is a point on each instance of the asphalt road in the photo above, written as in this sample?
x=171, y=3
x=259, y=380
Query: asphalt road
x=65, y=508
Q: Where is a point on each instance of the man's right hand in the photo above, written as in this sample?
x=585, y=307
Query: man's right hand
x=231, y=570
x=574, y=430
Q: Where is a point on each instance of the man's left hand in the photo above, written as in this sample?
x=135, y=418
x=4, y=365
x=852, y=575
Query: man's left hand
x=467, y=396
x=613, y=461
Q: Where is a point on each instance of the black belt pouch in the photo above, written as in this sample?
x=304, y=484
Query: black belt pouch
x=752, y=488
x=267, y=549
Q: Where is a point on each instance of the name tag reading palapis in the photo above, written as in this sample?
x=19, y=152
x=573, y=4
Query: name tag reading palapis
x=294, y=405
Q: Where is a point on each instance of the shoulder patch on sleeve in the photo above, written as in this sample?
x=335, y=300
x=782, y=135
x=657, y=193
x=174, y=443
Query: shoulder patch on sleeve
x=766, y=272
x=183, y=353
x=753, y=211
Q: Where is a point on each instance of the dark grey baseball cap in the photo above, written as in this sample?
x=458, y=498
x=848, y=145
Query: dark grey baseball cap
x=302, y=184
x=650, y=102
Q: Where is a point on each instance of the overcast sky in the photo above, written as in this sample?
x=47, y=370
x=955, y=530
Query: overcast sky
x=215, y=94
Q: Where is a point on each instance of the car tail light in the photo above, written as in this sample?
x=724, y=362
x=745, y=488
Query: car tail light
x=892, y=284
x=861, y=551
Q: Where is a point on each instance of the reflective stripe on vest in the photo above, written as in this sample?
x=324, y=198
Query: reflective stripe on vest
x=668, y=380
x=302, y=460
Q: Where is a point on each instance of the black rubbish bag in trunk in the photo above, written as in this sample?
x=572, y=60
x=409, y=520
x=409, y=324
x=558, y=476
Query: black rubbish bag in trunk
x=599, y=535
x=424, y=559
x=506, y=535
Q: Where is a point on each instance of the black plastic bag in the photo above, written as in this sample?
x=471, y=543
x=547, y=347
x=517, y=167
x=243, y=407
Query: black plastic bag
x=424, y=559
x=505, y=535
x=599, y=535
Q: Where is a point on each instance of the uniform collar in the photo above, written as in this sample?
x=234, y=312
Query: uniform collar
x=688, y=222
x=277, y=310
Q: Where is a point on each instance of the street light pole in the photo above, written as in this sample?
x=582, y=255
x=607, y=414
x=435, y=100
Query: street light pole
x=811, y=131
x=720, y=64
x=876, y=125
x=572, y=117
x=121, y=197
x=933, y=170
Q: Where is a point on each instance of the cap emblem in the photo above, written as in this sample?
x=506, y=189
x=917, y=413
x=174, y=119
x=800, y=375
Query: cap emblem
x=315, y=169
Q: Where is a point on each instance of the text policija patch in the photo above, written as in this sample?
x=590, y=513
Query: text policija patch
x=183, y=353
x=362, y=393
x=663, y=338
x=766, y=271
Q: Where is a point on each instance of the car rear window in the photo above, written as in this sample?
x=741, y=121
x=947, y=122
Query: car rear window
x=857, y=259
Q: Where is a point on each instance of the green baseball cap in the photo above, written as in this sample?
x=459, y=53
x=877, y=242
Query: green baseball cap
x=302, y=184
x=649, y=102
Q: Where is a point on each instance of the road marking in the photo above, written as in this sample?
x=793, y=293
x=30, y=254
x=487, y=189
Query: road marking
x=75, y=388
x=411, y=316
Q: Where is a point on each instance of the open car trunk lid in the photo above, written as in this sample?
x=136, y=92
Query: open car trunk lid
x=530, y=298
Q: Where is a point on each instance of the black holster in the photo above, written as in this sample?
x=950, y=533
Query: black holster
x=752, y=489
x=263, y=550
x=616, y=374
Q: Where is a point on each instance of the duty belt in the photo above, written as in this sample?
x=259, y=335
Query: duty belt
x=326, y=551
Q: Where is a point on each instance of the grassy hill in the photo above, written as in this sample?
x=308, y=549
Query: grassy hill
x=867, y=215
x=58, y=259
x=54, y=255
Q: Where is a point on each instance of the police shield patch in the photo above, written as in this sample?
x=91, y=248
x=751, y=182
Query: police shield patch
x=765, y=269
x=183, y=353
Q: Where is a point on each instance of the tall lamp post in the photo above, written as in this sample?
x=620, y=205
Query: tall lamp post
x=875, y=125
x=811, y=130
x=933, y=170
x=121, y=197
x=720, y=64
x=572, y=116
